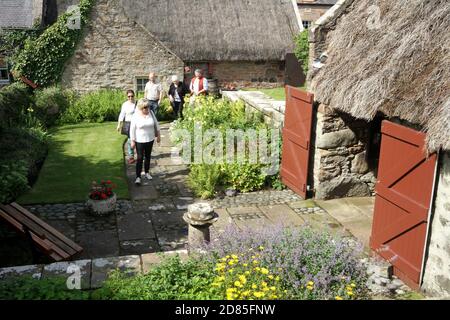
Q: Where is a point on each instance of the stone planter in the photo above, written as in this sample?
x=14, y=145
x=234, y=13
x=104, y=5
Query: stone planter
x=102, y=207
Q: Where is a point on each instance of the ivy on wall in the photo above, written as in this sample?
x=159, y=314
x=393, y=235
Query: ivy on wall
x=42, y=59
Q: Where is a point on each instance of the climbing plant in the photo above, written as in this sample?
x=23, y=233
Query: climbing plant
x=42, y=59
x=302, y=49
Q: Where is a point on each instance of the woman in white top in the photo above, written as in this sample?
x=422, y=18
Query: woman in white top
x=126, y=113
x=143, y=131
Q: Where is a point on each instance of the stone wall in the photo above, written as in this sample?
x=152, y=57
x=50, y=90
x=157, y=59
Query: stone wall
x=436, y=280
x=340, y=167
x=248, y=74
x=115, y=51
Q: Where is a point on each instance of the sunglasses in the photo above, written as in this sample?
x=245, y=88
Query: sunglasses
x=130, y=96
x=144, y=108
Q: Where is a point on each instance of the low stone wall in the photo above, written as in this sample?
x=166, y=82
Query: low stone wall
x=255, y=101
x=93, y=272
x=340, y=165
x=436, y=280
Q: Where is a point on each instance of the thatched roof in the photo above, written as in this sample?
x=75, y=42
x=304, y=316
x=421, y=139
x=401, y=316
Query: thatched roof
x=230, y=30
x=397, y=64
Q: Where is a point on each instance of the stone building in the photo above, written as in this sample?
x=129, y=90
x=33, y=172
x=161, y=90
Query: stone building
x=228, y=39
x=311, y=10
x=381, y=86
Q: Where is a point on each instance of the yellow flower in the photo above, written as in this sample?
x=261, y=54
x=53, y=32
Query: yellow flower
x=257, y=268
x=274, y=297
x=254, y=286
x=237, y=284
x=264, y=271
x=247, y=272
x=349, y=293
x=231, y=262
x=231, y=289
x=234, y=256
x=245, y=264
x=227, y=257
x=277, y=278
x=223, y=259
x=265, y=289
x=353, y=285
x=255, y=261
x=259, y=294
x=309, y=287
x=310, y=283
x=243, y=279
x=273, y=288
x=338, y=298
x=264, y=284
x=270, y=277
x=231, y=270
x=216, y=284
x=261, y=248
x=253, y=257
x=245, y=293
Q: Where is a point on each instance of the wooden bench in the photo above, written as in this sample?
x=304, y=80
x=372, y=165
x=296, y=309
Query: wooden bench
x=50, y=241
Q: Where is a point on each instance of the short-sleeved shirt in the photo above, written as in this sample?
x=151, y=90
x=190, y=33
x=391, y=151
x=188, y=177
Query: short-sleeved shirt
x=153, y=90
x=127, y=111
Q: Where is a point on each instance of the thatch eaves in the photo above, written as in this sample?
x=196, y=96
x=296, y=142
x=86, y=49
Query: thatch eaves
x=387, y=56
x=218, y=30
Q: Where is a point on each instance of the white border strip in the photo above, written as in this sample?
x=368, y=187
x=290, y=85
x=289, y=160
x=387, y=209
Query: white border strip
x=297, y=14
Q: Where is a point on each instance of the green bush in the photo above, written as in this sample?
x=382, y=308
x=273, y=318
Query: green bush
x=204, y=179
x=301, y=50
x=170, y=280
x=16, y=101
x=223, y=115
x=50, y=103
x=13, y=180
x=165, y=112
x=97, y=106
x=43, y=58
x=23, y=153
x=28, y=288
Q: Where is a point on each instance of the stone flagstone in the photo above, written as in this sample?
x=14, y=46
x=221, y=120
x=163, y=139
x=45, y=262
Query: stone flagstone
x=70, y=269
x=101, y=267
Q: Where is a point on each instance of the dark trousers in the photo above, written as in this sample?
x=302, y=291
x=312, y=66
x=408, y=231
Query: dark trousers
x=154, y=105
x=177, y=107
x=144, y=153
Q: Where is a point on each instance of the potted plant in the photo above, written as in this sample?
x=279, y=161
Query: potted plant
x=102, y=200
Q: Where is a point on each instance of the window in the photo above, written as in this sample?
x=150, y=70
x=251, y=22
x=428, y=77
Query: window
x=140, y=84
x=306, y=24
x=4, y=74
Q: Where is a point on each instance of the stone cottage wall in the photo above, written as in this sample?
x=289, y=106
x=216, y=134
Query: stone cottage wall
x=436, y=280
x=246, y=74
x=340, y=165
x=115, y=51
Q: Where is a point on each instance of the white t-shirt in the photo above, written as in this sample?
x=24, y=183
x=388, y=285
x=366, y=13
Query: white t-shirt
x=142, y=128
x=152, y=91
x=127, y=111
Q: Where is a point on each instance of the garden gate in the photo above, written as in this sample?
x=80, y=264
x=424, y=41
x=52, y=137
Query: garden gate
x=296, y=139
x=403, y=199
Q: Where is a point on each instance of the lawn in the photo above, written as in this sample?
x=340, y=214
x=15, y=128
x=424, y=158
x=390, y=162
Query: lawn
x=276, y=93
x=78, y=155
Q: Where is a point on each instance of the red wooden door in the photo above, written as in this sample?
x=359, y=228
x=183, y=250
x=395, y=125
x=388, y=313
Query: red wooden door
x=403, y=198
x=296, y=139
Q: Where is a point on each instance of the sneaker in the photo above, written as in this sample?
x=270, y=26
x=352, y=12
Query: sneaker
x=148, y=176
x=138, y=180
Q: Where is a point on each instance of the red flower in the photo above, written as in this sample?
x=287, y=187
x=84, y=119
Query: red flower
x=104, y=196
x=108, y=182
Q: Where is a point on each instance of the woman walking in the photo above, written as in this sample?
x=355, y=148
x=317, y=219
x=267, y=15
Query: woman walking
x=124, y=122
x=143, y=131
x=176, y=94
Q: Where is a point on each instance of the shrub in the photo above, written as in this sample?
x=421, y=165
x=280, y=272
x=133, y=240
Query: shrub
x=50, y=103
x=15, y=102
x=165, y=112
x=28, y=288
x=13, y=180
x=244, y=176
x=301, y=50
x=310, y=264
x=204, y=179
x=170, y=280
x=97, y=106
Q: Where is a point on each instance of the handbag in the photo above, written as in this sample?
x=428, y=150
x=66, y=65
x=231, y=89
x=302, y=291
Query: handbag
x=126, y=128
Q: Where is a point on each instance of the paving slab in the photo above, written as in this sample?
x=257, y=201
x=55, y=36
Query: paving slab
x=282, y=214
x=131, y=247
x=99, y=244
x=170, y=240
x=224, y=221
x=70, y=270
x=135, y=226
x=101, y=268
x=151, y=259
x=142, y=192
x=32, y=270
x=65, y=227
x=249, y=218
